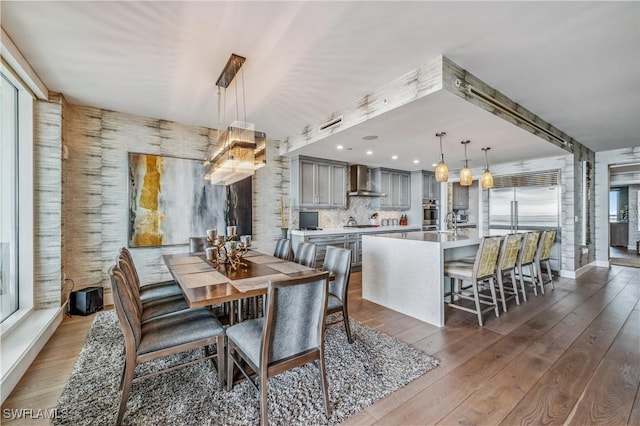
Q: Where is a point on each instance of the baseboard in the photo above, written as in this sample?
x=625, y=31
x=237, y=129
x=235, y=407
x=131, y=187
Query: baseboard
x=575, y=274
x=22, y=345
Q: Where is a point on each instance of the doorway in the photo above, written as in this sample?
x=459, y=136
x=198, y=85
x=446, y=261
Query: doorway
x=624, y=226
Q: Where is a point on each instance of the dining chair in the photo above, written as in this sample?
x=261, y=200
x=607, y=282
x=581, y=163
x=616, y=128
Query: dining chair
x=154, y=308
x=305, y=254
x=509, y=250
x=197, y=244
x=152, y=291
x=337, y=262
x=527, y=258
x=180, y=332
x=283, y=249
x=483, y=269
x=543, y=255
x=289, y=335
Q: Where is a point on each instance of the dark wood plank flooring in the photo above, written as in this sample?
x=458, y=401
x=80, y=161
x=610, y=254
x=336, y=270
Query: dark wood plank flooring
x=569, y=356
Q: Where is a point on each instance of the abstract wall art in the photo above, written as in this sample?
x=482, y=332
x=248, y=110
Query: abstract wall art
x=170, y=201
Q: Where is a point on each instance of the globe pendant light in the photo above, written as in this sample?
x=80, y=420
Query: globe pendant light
x=466, y=178
x=487, y=177
x=442, y=171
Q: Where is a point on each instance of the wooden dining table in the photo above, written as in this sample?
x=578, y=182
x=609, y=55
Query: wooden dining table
x=204, y=284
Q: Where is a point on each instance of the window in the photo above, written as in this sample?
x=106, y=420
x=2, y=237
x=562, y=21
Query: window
x=9, y=301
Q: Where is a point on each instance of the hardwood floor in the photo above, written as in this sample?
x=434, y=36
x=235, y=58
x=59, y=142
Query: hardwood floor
x=569, y=356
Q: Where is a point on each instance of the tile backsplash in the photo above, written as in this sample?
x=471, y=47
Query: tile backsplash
x=358, y=207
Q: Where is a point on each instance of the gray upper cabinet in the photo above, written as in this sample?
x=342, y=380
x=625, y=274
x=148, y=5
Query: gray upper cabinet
x=396, y=185
x=460, y=197
x=317, y=183
x=430, y=188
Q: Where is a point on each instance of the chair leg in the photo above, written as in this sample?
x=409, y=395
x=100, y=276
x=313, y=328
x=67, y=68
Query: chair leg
x=130, y=368
x=124, y=369
x=515, y=286
x=524, y=291
x=476, y=298
x=230, y=361
x=221, y=355
x=264, y=409
x=324, y=384
x=347, y=327
x=539, y=276
x=493, y=296
x=532, y=272
x=501, y=289
x=548, y=265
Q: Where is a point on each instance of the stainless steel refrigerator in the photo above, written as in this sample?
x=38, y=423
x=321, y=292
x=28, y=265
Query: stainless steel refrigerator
x=526, y=208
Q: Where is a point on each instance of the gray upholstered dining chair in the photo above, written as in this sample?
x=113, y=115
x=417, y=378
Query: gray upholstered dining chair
x=483, y=269
x=152, y=291
x=337, y=262
x=305, y=254
x=543, y=256
x=527, y=257
x=161, y=337
x=197, y=244
x=283, y=249
x=289, y=335
x=149, y=309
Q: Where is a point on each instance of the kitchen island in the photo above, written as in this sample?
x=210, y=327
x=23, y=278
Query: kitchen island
x=404, y=271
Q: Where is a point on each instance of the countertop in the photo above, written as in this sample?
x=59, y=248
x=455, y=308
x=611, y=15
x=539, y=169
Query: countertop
x=371, y=230
x=447, y=239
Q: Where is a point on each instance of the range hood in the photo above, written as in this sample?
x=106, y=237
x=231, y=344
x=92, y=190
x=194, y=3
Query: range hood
x=360, y=182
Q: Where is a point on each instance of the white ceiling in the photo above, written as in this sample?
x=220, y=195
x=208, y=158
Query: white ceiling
x=575, y=64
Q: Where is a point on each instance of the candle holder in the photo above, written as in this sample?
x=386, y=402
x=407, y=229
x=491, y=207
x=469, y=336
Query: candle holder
x=225, y=250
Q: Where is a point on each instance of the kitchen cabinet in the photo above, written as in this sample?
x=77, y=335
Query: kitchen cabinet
x=318, y=183
x=618, y=234
x=395, y=184
x=430, y=188
x=324, y=241
x=460, y=197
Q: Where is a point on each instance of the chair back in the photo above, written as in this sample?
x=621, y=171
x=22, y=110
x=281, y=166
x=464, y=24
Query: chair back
x=197, y=244
x=487, y=257
x=305, y=254
x=529, y=247
x=337, y=262
x=127, y=310
x=129, y=271
x=126, y=254
x=546, y=244
x=509, y=251
x=295, y=317
x=283, y=249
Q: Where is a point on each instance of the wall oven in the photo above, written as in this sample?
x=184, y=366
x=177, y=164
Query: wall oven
x=430, y=212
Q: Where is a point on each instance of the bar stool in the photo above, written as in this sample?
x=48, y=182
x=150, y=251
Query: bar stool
x=511, y=245
x=483, y=269
x=527, y=258
x=543, y=254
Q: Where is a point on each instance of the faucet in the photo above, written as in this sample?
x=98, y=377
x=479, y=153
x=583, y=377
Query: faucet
x=452, y=216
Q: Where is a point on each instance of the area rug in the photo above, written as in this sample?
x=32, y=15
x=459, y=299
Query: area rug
x=358, y=375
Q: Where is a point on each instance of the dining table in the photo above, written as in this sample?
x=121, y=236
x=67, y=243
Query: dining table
x=206, y=283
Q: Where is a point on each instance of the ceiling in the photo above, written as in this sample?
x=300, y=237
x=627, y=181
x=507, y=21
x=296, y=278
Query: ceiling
x=574, y=64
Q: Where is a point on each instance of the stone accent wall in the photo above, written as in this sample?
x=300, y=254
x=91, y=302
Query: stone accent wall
x=48, y=117
x=634, y=232
x=96, y=189
x=603, y=160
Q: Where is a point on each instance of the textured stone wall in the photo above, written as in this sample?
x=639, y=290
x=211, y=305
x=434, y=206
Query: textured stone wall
x=47, y=252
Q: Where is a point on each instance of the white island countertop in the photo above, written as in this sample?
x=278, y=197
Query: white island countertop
x=403, y=271
x=367, y=230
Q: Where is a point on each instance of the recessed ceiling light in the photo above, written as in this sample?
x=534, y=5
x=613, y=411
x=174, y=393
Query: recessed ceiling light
x=369, y=152
x=416, y=161
x=340, y=147
x=370, y=137
x=394, y=157
x=434, y=164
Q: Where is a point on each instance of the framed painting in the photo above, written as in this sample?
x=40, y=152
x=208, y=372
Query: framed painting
x=170, y=201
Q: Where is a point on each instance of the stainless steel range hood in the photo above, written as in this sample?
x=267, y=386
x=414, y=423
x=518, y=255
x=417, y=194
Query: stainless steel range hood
x=360, y=183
